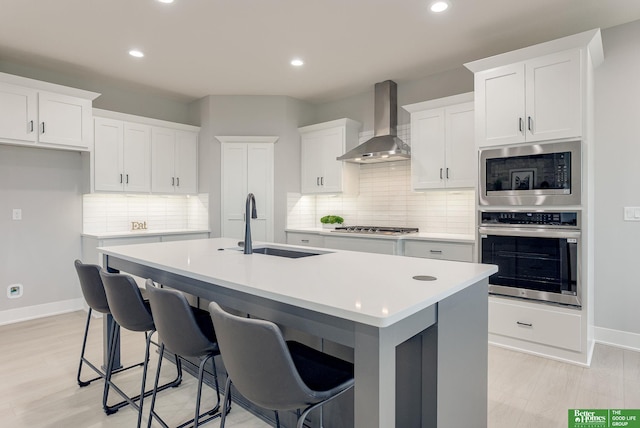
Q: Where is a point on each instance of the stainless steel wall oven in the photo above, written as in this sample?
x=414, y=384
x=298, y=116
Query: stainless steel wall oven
x=533, y=174
x=537, y=253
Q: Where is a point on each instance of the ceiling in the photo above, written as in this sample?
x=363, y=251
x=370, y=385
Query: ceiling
x=195, y=48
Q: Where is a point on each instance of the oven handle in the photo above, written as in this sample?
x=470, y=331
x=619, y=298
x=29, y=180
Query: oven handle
x=535, y=233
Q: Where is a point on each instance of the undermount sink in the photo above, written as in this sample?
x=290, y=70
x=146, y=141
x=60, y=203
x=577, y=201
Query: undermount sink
x=290, y=254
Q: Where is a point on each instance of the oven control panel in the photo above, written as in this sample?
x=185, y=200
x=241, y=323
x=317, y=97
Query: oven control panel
x=534, y=218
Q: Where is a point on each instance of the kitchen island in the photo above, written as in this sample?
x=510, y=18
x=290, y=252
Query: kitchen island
x=371, y=303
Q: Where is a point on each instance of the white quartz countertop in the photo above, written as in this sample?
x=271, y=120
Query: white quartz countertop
x=420, y=236
x=373, y=289
x=138, y=233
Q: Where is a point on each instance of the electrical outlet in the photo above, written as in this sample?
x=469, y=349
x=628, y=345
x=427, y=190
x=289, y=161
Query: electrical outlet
x=14, y=291
x=17, y=214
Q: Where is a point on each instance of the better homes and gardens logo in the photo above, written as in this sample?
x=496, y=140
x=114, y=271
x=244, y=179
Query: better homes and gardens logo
x=604, y=418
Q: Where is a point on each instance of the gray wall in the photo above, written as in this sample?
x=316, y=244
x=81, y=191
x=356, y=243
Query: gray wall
x=116, y=96
x=39, y=250
x=617, y=184
x=360, y=107
x=251, y=116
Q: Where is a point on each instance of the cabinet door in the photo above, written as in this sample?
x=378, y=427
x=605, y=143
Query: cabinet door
x=163, y=178
x=500, y=105
x=461, y=153
x=260, y=183
x=64, y=120
x=427, y=149
x=554, y=102
x=186, y=162
x=333, y=145
x=234, y=189
x=311, y=162
x=108, y=167
x=137, y=157
x=18, y=113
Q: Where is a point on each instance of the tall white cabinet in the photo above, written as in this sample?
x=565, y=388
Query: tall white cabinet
x=443, y=150
x=533, y=95
x=247, y=167
x=320, y=145
x=41, y=114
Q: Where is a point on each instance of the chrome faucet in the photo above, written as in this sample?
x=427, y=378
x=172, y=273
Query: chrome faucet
x=249, y=214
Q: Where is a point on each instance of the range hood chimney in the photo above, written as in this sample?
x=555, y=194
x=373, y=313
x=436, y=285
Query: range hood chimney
x=385, y=146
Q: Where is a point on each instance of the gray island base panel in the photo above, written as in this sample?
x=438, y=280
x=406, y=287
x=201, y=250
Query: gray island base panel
x=421, y=362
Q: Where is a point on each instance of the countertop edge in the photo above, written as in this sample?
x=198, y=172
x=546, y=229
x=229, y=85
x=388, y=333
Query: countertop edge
x=144, y=233
x=420, y=236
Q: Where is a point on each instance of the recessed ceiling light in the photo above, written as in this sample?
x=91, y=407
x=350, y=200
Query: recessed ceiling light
x=165, y=1
x=439, y=6
x=136, y=53
x=297, y=62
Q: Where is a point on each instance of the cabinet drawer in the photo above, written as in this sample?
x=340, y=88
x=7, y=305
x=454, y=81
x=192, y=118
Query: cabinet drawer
x=365, y=245
x=460, y=252
x=305, y=239
x=541, y=325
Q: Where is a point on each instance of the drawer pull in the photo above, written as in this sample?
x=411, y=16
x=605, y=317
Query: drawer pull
x=306, y=241
x=524, y=324
x=435, y=251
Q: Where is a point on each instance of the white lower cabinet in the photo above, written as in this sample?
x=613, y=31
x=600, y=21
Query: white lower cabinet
x=305, y=239
x=367, y=245
x=546, y=325
x=461, y=252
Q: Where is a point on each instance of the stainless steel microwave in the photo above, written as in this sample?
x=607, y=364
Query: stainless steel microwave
x=532, y=174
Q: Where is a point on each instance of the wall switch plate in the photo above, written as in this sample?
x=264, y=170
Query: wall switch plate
x=17, y=214
x=631, y=213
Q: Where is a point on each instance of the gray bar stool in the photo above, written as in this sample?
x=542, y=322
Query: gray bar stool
x=188, y=332
x=132, y=312
x=273, y=373
x=93, y=292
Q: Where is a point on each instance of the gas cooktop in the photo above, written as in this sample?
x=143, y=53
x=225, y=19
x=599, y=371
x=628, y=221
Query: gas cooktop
x=376, y=230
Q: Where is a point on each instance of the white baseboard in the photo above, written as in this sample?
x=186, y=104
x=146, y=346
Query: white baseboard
x=617, y=338
x=11, y=316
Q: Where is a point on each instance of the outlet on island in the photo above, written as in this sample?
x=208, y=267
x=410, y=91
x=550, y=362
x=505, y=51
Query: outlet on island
x=138, y=225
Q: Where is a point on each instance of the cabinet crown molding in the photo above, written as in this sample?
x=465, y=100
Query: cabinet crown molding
x=590, y=40
x=247, y=139
x=440, y=102
x=46, y=86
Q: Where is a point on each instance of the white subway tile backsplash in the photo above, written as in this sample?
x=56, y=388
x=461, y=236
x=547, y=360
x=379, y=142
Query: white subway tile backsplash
x=106, y=213
x=386, y=198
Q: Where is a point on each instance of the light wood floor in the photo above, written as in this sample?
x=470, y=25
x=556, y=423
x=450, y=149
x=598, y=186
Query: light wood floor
x=38, y=363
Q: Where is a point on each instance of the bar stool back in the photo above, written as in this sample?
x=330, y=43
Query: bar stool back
x=188, y=332
x=273, y=373
x=94, y=294
x=133, y=313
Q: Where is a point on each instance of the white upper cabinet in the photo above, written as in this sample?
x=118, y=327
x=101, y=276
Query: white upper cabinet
x=64, y=120
x=321, y=144
x=18, y=113
x=443, y=150
x=174, y=161
x=122, y=156
x=31, y=115
x=538, y=93
x=139, y=154
x=536, y=100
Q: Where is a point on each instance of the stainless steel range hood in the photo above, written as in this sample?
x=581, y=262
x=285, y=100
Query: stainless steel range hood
x=385, y=146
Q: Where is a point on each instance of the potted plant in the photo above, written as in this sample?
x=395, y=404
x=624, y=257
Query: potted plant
x=330, y=221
